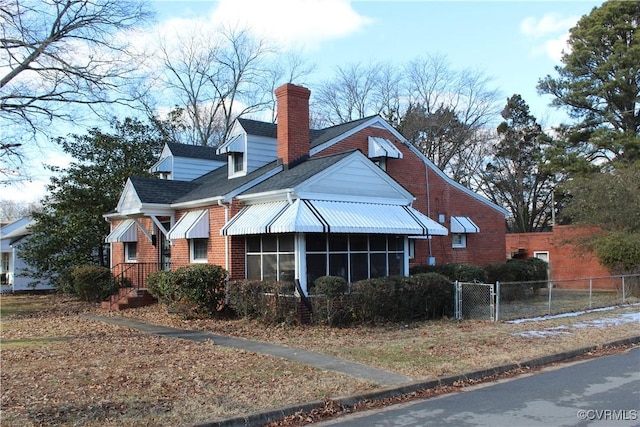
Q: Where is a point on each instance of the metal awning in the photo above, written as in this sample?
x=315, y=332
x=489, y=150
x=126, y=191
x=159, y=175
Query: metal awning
x=321, y=216
x=463, y=224
x=192, y=225
x=382, y=147
x=234, y=145
x=126, y=231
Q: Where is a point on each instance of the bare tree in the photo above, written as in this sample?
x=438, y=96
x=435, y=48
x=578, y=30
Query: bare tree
x=58, y=57
x=457, y=108
x=213, y=77
x=63, y=53
x=356, y=92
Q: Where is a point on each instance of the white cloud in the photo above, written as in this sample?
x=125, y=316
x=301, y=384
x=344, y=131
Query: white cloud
x=291, y=23
x=549, y=33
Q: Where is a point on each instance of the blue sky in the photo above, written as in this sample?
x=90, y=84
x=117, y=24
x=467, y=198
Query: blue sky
x=514, y=42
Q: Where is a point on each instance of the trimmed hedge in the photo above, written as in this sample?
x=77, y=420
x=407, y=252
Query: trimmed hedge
x=397, y=298
x=454, y=271
x=269, y=302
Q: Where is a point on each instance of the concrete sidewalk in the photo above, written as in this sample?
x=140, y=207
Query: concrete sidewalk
x=317, y=360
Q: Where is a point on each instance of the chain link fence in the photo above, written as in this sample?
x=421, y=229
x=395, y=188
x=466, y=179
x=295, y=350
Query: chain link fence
x=518, y=300
x=475, y=300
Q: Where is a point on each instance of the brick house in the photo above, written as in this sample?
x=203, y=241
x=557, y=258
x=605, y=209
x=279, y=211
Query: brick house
x=289, y=202
x=560, y=247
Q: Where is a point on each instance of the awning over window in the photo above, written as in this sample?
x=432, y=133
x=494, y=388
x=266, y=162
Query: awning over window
x=192, y=225
x=320, y=216
x=234, y=145
x=126, y=231
x=463, y=224
x=382, y=147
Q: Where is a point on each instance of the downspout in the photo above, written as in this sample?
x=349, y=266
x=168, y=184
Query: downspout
x=226, y=249
x=226, y=238
x=426, y=172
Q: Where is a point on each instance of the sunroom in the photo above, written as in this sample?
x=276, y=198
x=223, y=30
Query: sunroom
x=305, y=239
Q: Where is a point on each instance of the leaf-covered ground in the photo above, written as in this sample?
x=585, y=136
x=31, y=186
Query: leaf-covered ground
x=58, y=368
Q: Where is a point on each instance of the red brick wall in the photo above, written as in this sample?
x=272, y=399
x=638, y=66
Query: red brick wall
x=293, y=122
x=567, y=260
x=488, y=246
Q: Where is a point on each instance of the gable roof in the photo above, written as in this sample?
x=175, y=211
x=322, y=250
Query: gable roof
x=216, y=184
x=194, y=151
x=255, y=127
x=291, y=177
x=160, y=191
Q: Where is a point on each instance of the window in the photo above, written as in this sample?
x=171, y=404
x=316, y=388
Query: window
x=412, y=248
x=237, y=162
x=459, y=240
x=130, y=251
x=354, y=256
x=270, y=257
x=4, y=262
x=198, y=250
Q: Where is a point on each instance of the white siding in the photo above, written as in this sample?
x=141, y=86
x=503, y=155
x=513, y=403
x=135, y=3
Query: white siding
x=355, y=178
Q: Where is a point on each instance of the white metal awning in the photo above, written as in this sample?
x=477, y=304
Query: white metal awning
x=463, y=224
x=234, y=145
x=321, y=216
x=126, y=231
x=192, y=225
x=382, y=147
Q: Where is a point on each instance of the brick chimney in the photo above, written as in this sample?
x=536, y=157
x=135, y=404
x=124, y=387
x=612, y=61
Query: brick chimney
x=293, y=123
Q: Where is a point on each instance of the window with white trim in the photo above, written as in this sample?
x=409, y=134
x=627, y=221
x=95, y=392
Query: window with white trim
x=270, y=257
x=354, y=256
x=237, y=162
x=459, y=240
x=198, y=250
x=4, y=262
x=130, y=251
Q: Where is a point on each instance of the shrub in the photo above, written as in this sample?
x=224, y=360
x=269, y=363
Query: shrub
x=269, y=302
x=530, y=275
x=162, y=286
x=331, y=306
x=399, y=298
x=454, y=271
x=91, y=283
x=202, y=287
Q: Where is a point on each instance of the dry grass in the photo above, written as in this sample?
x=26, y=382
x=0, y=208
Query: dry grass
x=61, y=369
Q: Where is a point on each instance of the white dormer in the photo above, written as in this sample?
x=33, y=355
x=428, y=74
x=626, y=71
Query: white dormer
x=247, y=151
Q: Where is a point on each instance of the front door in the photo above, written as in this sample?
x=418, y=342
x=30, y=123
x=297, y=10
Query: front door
x=164, y=248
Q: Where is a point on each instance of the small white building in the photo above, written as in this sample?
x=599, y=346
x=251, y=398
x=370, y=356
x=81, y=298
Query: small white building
x=13, y=238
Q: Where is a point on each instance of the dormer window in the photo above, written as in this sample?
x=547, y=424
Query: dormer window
x=236, y=162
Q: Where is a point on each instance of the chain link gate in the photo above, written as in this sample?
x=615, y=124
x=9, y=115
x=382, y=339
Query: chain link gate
x=475, y=301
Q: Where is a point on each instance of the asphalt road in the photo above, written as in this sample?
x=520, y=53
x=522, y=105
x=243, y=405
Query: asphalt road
x=599, y=392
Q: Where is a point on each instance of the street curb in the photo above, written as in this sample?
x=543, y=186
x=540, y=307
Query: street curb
x=260, y=418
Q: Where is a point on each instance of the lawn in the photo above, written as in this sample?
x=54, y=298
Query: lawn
x=58, y=368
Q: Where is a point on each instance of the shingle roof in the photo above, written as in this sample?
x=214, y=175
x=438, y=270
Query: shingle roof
x=254, y=127
x=291, y=177
x=194, y=151
x=318, y=136
x=216, y=183
x=161, y=191
x=323, y=135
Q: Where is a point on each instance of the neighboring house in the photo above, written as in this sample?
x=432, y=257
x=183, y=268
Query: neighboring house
x=13, y=238
x=561, y=249
x=288, y=202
